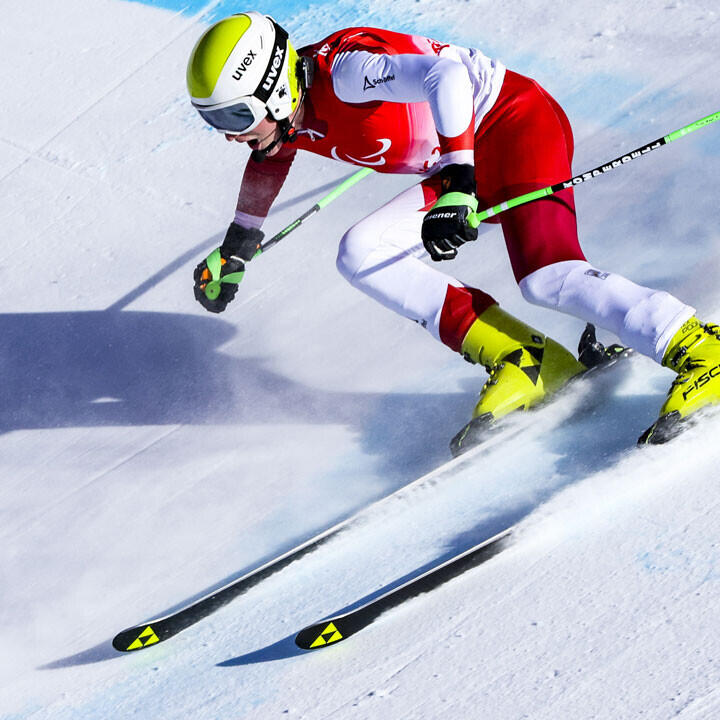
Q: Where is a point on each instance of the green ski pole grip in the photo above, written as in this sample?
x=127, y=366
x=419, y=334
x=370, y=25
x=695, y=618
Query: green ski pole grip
x=714, y=117
x=214, y=265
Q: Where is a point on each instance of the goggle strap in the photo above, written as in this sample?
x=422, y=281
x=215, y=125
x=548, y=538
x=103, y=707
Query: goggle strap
x=270, y=80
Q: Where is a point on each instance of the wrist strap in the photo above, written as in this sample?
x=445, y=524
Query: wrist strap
x=453, y=199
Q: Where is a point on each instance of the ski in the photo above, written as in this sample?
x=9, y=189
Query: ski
x=339, y=627
x=151, y=632
x=161, y=628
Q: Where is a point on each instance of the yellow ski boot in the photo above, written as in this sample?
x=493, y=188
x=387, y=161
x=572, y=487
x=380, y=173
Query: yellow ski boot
x=525, y=367
x=694, y=354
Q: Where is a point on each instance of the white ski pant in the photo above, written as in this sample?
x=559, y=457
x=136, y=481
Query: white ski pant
x=383, y=256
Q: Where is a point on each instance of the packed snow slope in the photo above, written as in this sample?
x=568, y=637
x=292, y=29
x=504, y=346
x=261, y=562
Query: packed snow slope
x=150, y=451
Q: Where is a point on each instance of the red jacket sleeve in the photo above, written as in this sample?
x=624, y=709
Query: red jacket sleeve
x=261, y=183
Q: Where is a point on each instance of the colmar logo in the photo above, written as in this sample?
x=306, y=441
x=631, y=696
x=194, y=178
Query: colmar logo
x=274, y=67
x=370, y=84
x=244, y=65
x=596, y=273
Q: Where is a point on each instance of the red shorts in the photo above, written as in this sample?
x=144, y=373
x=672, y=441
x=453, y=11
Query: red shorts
x=525, y=143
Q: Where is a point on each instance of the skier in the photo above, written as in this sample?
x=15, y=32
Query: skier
x=475, y=133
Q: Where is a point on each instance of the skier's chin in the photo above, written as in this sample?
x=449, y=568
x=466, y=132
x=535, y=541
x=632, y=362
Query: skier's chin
x=262, y=144
x=274, y=151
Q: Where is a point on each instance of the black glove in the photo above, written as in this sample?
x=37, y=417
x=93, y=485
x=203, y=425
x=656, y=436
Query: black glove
x=240, y=242
x=210, y=290
x=447, y=225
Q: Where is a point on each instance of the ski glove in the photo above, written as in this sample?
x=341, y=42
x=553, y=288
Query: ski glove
x=217, y=277
x=241, y=242
x=446, y=226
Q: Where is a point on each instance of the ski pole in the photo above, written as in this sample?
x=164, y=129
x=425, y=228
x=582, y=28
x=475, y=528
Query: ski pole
x=319, y=205
x=214, y=261
x=476, y=218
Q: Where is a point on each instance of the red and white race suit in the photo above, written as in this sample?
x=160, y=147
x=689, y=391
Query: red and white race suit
x=408, y=104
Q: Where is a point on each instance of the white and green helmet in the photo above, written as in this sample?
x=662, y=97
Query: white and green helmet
x=241, y=70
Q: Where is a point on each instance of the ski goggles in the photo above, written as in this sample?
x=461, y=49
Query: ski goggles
x=239, y=116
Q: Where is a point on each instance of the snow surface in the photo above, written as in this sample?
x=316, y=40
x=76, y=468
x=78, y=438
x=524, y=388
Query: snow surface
x=151, y=452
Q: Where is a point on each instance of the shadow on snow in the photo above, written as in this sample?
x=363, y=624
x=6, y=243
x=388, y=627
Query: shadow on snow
x=587, y=440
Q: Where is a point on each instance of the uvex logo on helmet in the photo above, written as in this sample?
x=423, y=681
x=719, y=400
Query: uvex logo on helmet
x=244, y=65
x=275, y=66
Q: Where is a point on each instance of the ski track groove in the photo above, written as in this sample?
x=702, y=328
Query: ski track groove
x=621, y=658
x=103, y=473
x=372, y=694
x=406, y=657
x=15, y=145
x=700, y=708
x=443, y=634
x=141, y=65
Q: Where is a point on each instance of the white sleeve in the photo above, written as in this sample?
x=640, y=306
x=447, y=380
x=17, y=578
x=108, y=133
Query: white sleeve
x=359, y=76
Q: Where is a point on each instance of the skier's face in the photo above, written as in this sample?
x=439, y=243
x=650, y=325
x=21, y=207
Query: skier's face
x=260, y=137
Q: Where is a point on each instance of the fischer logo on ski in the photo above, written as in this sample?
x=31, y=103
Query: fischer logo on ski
x=329, y=635
x=340, y=627
x=145, y=638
